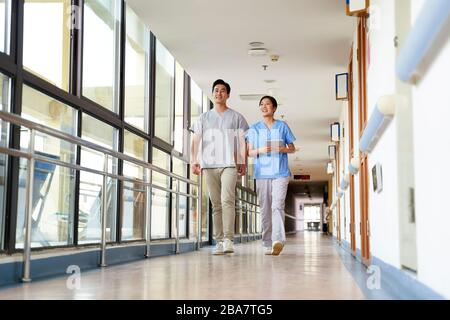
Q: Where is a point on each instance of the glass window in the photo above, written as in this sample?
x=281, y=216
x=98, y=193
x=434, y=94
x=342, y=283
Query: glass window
x=54, y=186
x=5, y=93
x=47, y=56
x=250, y=180
x=312, y=217
x=205, y=211
x=193, y=214
x=164, y=93
x=179, y=138
x=179, y=167
x=136, y=72
x=196, y=102
x=5, y=25
x=160, y=199
x=134, y=194
x=244, y=214
x=91, y=198
x=101, y=52
x=136, y=147
x=206, y=103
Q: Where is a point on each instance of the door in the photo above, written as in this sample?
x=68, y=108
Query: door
x=351, y=153
x=364, y=173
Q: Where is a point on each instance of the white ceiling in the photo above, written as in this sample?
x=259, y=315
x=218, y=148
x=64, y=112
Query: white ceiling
x=210, y=39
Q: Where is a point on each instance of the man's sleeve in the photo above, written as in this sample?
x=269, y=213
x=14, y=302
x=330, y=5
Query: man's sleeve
x=197, y=126
x=243, y=125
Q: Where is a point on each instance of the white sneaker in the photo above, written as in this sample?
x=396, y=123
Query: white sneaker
x=228, y=246
x=219, y=248
x=277, y=247
x=268, y=251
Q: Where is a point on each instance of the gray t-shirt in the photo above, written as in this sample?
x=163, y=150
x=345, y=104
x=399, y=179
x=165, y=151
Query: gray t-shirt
x=220, y=137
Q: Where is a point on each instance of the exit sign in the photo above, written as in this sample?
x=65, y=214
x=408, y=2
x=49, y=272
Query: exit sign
x=302, y=177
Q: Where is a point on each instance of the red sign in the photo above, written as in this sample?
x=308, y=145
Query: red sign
x=302, y=177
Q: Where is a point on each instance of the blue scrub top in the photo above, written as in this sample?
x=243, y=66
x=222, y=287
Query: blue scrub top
x=272, y=165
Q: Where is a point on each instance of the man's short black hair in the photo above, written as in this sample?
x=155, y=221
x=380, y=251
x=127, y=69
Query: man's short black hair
x=220, y=81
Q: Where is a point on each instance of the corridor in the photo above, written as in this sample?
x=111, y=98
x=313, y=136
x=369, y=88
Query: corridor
x=309, y=268
x=139, y=137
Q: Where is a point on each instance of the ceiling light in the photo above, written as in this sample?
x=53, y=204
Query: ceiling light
x=257, y=52
x=256, y=44
x=270, y=81
x=251, y=97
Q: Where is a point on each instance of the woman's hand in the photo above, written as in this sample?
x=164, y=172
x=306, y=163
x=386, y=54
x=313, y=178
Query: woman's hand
x=264, y=150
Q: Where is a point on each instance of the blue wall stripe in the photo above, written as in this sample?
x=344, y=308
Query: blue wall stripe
x=403, y=285
x=53, y=266
x=394, y=283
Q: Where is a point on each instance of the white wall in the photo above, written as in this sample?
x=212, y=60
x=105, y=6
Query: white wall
x=431, y=112
x=383, y=208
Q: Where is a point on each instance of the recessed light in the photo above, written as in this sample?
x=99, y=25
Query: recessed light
x=256, y=44
x=257, y=52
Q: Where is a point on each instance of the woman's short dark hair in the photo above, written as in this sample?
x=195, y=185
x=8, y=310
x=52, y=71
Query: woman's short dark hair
x=220, y=81
x=272, y=99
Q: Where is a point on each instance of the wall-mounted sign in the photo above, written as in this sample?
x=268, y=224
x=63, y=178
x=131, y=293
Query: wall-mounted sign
x=342, y=86
x=335, y=131
x=332, y=152
x=357, y=7
x=330, y=169
x=302, y=177
x=377, y=178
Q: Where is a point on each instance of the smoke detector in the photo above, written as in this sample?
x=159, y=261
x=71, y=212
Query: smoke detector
x=274, y=58
x=257, y=52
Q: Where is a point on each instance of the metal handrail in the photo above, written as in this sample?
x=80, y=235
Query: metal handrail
x=17, y=120
x=32, y=157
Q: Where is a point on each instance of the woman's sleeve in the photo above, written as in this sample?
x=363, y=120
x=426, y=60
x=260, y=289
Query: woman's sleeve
x=250, y=137
x=289, y=136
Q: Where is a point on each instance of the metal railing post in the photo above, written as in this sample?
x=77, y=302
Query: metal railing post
x=148, y=218
x=104, y=210
x=28, y=211
x=199, y=211
x=177, y=216
x=241, y=218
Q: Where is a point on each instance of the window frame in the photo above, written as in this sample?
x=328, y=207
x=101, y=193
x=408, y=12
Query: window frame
x=11, y=65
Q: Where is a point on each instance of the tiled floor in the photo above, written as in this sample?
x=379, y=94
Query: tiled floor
x=308, y=268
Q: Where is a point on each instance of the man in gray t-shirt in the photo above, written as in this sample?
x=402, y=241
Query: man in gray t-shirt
x=218, y=148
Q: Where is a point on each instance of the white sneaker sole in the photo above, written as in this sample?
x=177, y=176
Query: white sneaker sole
x=228, y=251
x=218, y=253
x=277, y=248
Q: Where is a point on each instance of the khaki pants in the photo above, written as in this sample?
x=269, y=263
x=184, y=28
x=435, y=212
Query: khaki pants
x=221, y=183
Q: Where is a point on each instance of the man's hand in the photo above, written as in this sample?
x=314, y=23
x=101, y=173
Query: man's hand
x=241, y=169
x=196, y=169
